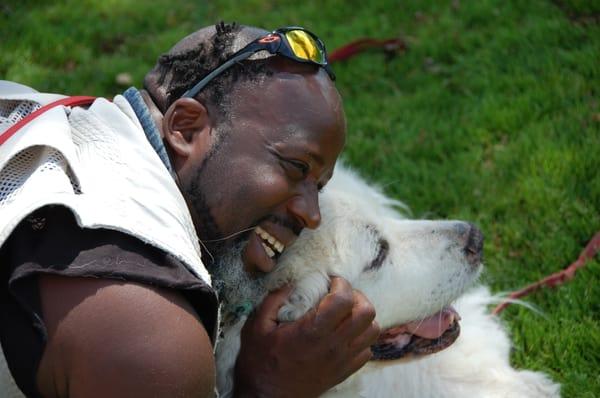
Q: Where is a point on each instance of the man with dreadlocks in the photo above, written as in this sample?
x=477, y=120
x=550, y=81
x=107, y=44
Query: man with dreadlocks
x=106, y=209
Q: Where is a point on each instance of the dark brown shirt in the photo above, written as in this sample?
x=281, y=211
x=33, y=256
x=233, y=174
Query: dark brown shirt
x=49, y=241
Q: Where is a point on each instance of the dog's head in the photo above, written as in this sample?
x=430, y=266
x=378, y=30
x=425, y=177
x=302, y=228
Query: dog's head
x=410, y=270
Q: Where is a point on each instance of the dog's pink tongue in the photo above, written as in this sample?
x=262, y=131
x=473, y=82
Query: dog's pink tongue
x=429, y=328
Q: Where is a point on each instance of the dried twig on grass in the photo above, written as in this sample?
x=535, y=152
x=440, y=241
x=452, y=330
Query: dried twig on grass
x=557, y=278
x=389, y=46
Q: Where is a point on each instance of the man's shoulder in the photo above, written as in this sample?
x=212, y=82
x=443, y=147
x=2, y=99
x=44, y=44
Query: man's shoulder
x=108, y=337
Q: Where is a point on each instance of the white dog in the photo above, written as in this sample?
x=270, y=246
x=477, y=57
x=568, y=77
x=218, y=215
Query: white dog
x=411, y=271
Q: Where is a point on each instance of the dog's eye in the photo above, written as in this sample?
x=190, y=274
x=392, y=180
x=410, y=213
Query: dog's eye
x=382, y=253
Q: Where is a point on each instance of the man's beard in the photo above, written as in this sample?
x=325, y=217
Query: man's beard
x=222, y=256
x=238, y=292
x=206, y=226
x=213, y=244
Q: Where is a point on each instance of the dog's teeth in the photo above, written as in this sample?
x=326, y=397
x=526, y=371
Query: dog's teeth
x=271, y=239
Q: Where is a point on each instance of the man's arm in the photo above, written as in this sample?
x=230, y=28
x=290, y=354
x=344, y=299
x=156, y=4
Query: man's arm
x=117, y=339
x=307, y=357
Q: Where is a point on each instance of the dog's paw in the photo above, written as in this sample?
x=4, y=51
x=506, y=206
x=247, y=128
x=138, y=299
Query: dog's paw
x=309, y=287
x=296, y=306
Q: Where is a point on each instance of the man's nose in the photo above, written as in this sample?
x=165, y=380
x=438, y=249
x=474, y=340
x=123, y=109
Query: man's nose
x=305, y=208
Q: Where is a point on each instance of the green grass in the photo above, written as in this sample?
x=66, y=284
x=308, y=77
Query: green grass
x=492, y=115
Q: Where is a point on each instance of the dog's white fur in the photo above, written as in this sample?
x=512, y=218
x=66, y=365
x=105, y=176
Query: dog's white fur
x=425, y=270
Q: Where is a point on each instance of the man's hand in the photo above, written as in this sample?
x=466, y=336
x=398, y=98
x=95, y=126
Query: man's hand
x=307, y=357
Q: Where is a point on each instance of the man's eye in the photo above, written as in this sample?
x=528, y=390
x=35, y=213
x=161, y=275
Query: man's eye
x=296, y=168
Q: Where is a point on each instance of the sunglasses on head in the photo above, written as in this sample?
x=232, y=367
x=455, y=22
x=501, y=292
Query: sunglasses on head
x=292, y=42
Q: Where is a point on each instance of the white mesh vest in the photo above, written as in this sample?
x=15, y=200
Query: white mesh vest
x=97, y=162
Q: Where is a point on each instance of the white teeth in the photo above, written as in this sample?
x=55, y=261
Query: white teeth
x=271, y=239
x=268, y=250
x=261, y=232
x=279, y=247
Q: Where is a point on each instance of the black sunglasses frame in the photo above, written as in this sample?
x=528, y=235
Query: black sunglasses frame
x=275, y=43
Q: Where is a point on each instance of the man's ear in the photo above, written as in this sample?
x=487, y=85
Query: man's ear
x=187, y=127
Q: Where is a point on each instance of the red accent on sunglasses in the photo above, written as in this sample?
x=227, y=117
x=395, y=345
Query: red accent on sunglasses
x=269, y=39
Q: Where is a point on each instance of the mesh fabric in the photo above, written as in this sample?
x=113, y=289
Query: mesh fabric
x=11, y=111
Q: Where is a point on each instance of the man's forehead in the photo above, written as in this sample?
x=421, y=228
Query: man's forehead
x=289, y=109
x=286, y=97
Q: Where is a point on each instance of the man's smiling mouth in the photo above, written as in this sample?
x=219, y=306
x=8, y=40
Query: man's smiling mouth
x=268, y=240
x=272, y=246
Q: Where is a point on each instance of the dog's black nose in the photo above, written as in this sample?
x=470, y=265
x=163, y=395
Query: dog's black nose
x=473, y=244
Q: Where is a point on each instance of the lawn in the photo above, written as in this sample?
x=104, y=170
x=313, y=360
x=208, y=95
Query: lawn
x=491, y=115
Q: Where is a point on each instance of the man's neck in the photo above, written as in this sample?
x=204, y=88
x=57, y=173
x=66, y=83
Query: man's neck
x=157, y=115
x=150, y=119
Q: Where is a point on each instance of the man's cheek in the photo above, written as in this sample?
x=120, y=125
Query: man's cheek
x=274, y=192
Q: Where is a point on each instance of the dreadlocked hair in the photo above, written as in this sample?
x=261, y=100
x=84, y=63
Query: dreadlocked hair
x=189, y=67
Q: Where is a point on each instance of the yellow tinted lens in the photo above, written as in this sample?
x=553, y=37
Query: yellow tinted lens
x=304, y=46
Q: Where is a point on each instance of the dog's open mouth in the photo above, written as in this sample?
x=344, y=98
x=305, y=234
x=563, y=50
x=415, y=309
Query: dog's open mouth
x=418, y=338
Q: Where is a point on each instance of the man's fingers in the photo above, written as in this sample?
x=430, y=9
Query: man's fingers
x=366, y=339
x=265, y=316
x=363, y=314
x=335, y=306
x=359, y=361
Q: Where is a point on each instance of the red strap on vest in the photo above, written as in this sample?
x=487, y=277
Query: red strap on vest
x=69, y=101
